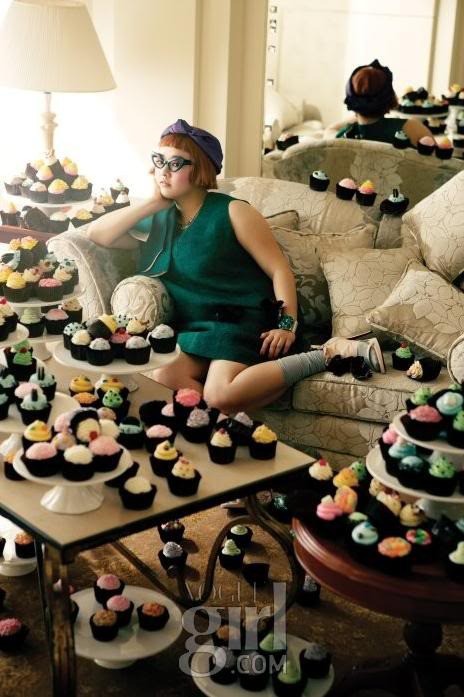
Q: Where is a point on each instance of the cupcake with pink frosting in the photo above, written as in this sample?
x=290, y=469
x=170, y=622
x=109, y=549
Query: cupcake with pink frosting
x=122, y=606
x=49, y=289
x=106, y=586
x=106, y=453
x=386, y=440
x=366, y=193
x=426, y=145
x=329, y=517
x=12, y=634
x=42, y=460
x=198, y=426
x=56, y=320
x=443, y=148
x=346, y=189
x=156, y=434
x=423, y=422
x=185, y=400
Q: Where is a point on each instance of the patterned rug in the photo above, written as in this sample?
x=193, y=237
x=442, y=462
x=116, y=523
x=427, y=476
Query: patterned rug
x=351, y=633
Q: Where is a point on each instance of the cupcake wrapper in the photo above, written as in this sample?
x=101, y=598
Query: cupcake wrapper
x=184, y=487
x=77, y=473
x=19, y=295
x=14, y=641
x=152, y=624
x=399, y=363
x=79, y=353
x=25, y=551
x=256, y=573
x=55, y=326
x=49, y=294
x=394, y=208
x=152, y=443
x=162, y=468
x=400, y=566
x=137, y=502
x=106, y=463
x=149, y=412
x=104, y=633
x=131, y=441
x=241, y=541
x=253, y=682
x=381, y=516
x=121, y=412
x=318, y=184
x=13, y=189
x=35, y=329
x=172, y=535
x=167, y=562
x=137, y=356
x=285, y=690
x=124, y=616
x=59, y=198
x=102, y=595
x=440, y=487
x=163, y=345
x=425, y=149
x=227, y=561
x=38, y=196
x=421, y=430
x=344, y=192
x=11, y=474
x=262, y=451
x=411, y=480
x=118, y=349
x=4, y=410
x=58, y=226
x=74, y=315
x=401, y=144
x=30, y=415
x=315, y=669
x=81, y=194
x=221, y=676
x=196, y=435
x=444, y=153
x=222, y=456
x=365, y=199
x=95, y=357
x=42, y=468
x=455, y=438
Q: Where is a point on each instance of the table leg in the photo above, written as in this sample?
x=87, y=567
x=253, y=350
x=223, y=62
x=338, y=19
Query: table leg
x=255, y=514
x=57, y=614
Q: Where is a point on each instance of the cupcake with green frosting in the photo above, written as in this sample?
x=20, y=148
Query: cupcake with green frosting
x=113, y=400
x=403, y=357
x=363, y=541
x=34, y=407
x=131, y=433
x=289, y=681
x=455, y=563
x=441, y=477
x=273, y=647
x=449, y=404
x=455, y=431
x=231, y=556
x=241, y=535
x=419, y=398
x=23, y=365
x=319, y=181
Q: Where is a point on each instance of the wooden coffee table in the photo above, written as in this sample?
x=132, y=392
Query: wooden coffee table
x=425, y=600
x=64, y=536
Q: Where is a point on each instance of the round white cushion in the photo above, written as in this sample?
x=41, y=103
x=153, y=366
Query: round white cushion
x=142, y=297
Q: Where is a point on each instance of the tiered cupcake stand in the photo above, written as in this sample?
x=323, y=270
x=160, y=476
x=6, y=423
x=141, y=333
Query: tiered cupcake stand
x=200, y=674
x=49, y=208
x=132, y=643
x=41, y=351
x=433, y=506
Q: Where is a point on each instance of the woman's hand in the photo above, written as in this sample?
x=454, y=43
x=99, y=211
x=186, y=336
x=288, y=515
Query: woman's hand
x=276, y=341
x=156, y=198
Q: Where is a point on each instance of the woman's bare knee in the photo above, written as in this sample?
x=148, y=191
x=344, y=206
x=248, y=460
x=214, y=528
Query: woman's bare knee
x=221, y=398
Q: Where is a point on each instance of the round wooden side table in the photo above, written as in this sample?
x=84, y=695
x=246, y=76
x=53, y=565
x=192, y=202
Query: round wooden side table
x=425, y=599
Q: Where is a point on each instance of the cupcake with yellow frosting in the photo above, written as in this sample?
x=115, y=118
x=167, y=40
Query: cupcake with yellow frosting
x=80, y=383
x=16, y=289
x=82, y=217
x=10, y=214
x=366, y=194
x=221, y=447
x=164, y=458
x=81, y=189
x=70, y=171
x=5, y=271
x=58, y=191
x=184, y=479
x=106, y=200
x=263, y=443
x=44, y=174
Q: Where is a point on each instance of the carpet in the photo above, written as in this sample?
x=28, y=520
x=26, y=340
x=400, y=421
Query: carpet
x=351, y=633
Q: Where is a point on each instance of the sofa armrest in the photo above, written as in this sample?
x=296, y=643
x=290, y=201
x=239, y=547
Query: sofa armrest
x=455, y=360
x=100, y=269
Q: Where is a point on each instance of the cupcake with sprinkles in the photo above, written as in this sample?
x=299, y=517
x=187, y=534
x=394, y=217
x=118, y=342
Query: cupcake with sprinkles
x=164, y=458
x=221, y=447
x=185, y=400
x=423, y=548
x=157, y=434
x=197, y=427
x=184, y=479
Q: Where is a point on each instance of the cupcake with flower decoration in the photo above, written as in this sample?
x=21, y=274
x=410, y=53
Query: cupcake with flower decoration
x=366, y=194
x=346, y=189
x=221, y=447
x=184, y=479
x=320, y=477
x=184, y=401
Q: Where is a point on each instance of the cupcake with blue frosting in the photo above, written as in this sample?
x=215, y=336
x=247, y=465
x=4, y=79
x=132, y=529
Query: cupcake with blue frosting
x=363, y=542
x=395, y=204
x=401, y=140
x=396, y=452
x=449, y=404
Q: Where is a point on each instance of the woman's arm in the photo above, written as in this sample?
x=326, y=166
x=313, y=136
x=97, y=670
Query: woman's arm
x=111, y=230
x=255, y=235
x=415, y=130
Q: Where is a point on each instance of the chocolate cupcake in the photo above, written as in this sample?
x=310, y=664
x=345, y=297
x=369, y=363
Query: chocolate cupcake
x=223, y=666
x=77, y=464
x=102, y=327
x=80, y=341
x=426, y=146
x=423, y=423
x=99, y=352
x=263, y=443
x=394, y=556
x=122, y=606
x=253, y=675
x=15, y=288
x=4, y=404
x=152, y=616
x=221, y=447
x=455, y=432
x=383, y=511
x=115, y=401
x=41, y=460
x=401, y=140
x=345, y=189
x=403, y=357
x=137, y=493
x=309, y=593
x=149, y=412
x=172, y=555
x=24, y=546
x=423, y=548
x=184, y=401
x=273, y=648
x=315, y=661
x=395, y=204
x=106, y=586
x=172, y=531
x=366, y=194
x=163, y=339
x=231, y=556
x=12, y=634
x=34, y=407
x=443, y=148
x=106, y=453
x=424, y=369
x=137, y=350
x=121, y=479
x=131, y=433
x=441, y=478
x=241, y=535
x=255, y=572
x=104, y=625
x=289, y=680
x=411, y=471
x=184, y=479
x=164, y=456
x=454, y=564
x=320, y=477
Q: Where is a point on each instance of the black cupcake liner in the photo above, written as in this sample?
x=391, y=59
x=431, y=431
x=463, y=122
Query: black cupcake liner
x=77, y=473
x=315, y=668
x=106, y=463
x=149, y=622
x=102, y=595
x=162, y=468
x=394, y=208
x=241, y=541
x=118, y=481
x=231, y=562
x=152, y=443
x=401, y=144
x=99, y=357
x=365, y=199
x=183, y=487
x=256, y=573
x=171, y=534
x=318, y=184
x=425, y=149
x=131, y=441
x=25, y=551
x=35, y=328
x=168, y=562
x=13, y=642
x=220, y=455
x=344, y=192
x=124, y=616
x=163, y=345
x=440, y=487
x=42, y=468
x=262, y=451
x=196, y=435
x=149, y=412
x=105, y=633
x=444, y=153
x=137, y=356
x=421, y=430
x=78, y=352
x=49, y=294
x=137, y=502
x=18, y=295
x=399, y=363
x=81, y=194
x=30, y=415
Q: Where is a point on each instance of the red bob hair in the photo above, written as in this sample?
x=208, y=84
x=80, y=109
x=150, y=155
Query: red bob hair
x=203, y=172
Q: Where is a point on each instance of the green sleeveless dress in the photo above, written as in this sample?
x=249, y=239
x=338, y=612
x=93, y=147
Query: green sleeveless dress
x=216, y=286
x=382, y=130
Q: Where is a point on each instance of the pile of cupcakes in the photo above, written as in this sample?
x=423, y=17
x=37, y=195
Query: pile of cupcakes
x=12, y=630
x=255, y=655
x=103, y=339
x=377, y=527
x=37, y=385
x=117, y=610
x=421, y=102
x=27, y=271
x=418, y=368
x=8, y=319
x=345, y=189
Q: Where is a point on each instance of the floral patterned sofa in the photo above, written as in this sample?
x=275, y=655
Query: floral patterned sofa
x=349, y=262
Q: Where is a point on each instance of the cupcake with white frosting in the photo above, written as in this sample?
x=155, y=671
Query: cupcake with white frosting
x=137, y=493
x=163, y=339
x=184, y=479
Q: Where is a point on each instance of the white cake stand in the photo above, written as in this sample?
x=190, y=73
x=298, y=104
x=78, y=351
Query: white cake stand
x=69, y=497
x=117, y=367
x=13, y=424
x=44, y=207
x=10, y=564
x=433, y=506
x=19, y=334
x=200, y=674
x=41, y=351
x=132, y=643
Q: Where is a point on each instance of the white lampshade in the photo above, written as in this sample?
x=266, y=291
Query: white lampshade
x=52, y=46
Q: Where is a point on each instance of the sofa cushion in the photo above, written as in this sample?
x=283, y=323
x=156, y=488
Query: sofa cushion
x=455, y=362
x=289, y=219
x=144, y=297
x=302, y=248
x=437, y=223
x=322, y=211
x=424, y=309
x=377, y=399
x=359, y=280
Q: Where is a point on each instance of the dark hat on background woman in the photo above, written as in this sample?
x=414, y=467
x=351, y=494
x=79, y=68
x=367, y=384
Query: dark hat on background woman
x=205, y=140
x=369, y=91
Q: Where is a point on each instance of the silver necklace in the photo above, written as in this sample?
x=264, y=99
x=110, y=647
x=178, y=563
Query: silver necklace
x=189, y=221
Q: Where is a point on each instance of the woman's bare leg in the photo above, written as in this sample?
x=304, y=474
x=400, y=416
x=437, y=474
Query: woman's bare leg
x=232, y=387
x=184, y=371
